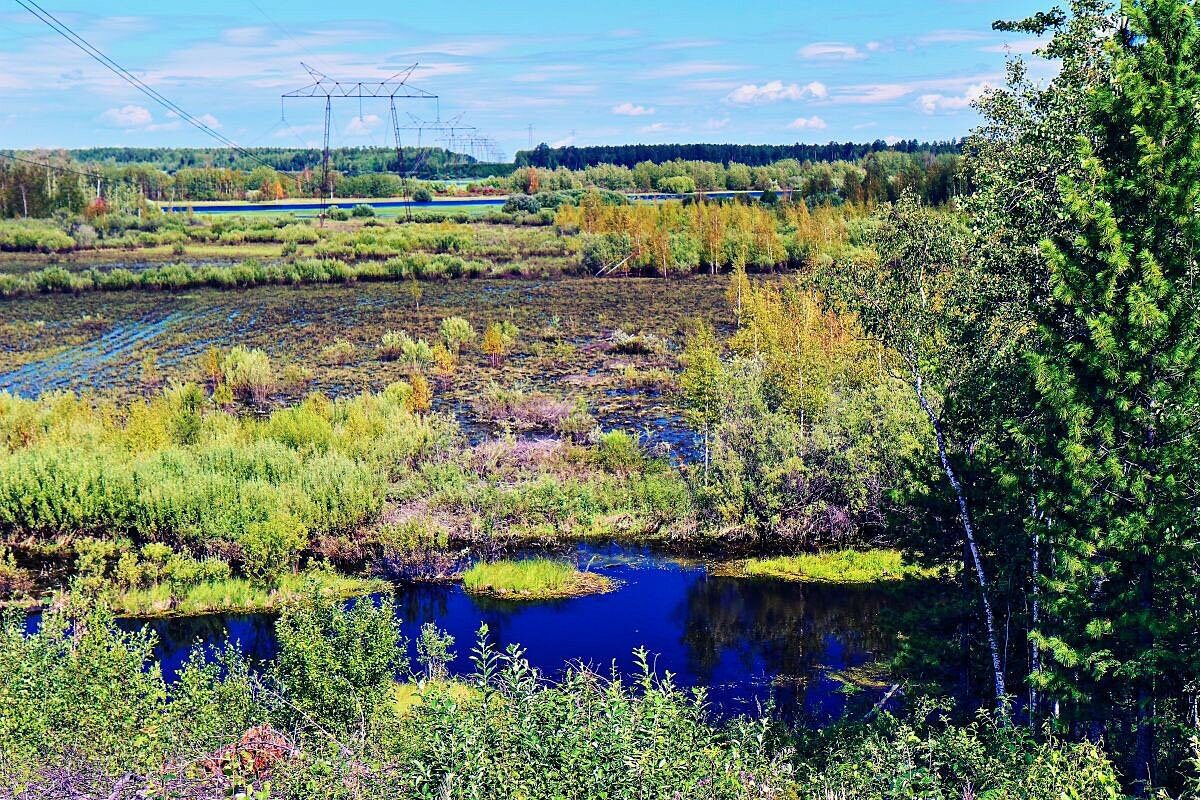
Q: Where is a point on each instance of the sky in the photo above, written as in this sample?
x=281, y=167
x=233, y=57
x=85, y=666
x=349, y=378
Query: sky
x=601, y=72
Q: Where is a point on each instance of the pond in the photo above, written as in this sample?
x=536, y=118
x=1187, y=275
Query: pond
x=748, y=641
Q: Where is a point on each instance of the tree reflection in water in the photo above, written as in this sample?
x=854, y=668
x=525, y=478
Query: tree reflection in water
x=748, y=641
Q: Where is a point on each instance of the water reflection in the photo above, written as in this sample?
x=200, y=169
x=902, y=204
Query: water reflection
x=748, y=641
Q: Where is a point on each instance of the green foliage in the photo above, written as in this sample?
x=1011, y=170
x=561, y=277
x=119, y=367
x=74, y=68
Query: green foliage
x=1111, y=456
x=456, y=332
x=399, y=346
x=247, y=373
x=363, y=210
x=336, y=666
x=929, y=758
x=270, y=548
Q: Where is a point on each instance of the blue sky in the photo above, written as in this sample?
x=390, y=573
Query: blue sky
x=583, y=73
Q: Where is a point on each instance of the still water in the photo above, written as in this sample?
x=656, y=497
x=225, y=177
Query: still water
x=749, y=641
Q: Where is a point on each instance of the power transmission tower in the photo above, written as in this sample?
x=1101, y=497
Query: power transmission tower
x=392, y=88
x=454, y=132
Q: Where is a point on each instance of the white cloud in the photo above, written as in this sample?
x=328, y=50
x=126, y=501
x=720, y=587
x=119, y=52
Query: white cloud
x=831, y=51
x=808, y=123
x=210, y=121
x=628, y=109
x=363, y=126
x=129, y=116
x=715, y=124
x=657, y=127
x=933, y=103
x=775, y=91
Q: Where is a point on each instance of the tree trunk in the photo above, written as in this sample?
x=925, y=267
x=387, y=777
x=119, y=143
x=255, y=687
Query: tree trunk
x=1035, y=652
x=1143, y=744
x=964, y=513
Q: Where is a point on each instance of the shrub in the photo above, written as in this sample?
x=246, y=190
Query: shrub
x=420, y=400
x=336, y=665
x=422, y=195
x=248, y=373
x=272, y=547
x=399, y=346
x=617, y=451
x=338, y=214
x=521, y=204
x=363, y=210
x=340, y=352
x=456, y=332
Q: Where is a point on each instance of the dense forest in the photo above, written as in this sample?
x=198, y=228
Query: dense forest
x=30, y=190
x=423, y=161
x=754, y=155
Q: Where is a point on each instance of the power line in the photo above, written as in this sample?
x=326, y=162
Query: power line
x=71, y=36
x=43, y=165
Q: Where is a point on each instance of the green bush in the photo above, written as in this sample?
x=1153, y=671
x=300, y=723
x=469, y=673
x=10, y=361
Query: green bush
x=272, y=547
x=336, y=666
x=363, y=210
x=247, y=372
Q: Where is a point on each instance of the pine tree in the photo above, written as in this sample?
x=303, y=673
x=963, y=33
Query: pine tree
x=1117, y=367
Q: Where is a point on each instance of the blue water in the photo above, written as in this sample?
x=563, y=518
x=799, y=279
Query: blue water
x=747, y=641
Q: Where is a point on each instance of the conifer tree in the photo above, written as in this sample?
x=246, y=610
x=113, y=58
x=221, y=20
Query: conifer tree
x=1116, y=363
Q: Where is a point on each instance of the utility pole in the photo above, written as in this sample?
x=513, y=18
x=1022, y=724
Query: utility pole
x=328, y=88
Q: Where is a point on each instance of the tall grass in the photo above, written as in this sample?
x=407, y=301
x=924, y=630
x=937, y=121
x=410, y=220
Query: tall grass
x=202, y=479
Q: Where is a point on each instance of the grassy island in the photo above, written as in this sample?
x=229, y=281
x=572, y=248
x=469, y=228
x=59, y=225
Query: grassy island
x=533, y=579
x=840, y=566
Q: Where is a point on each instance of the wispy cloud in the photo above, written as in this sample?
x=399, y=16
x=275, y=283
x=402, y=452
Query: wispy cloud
x=830, y=51
x=775, y=91
x=883, y=93
x=681, y=69
x=689, y=44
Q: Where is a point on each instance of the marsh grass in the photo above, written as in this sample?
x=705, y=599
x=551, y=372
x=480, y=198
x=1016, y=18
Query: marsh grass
x=239, y=594
x=840, y=566
x=533, y=579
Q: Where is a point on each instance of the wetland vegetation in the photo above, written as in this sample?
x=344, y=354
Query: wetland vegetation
x=896, y=471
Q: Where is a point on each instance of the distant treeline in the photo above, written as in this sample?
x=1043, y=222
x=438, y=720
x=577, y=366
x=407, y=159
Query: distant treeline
x=753, y=155
x=426, y=162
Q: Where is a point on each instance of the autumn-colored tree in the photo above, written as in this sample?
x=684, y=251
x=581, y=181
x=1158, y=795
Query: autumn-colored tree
x=420, y=399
